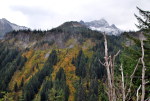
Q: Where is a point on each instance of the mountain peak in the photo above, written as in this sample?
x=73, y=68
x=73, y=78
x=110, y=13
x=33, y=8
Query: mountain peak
x=3, y=19
x=102, y=21
x=71, y=24
x=97, y=23
x=113, y=26
x=6, y=26
x=103, y=26
x=81, y=22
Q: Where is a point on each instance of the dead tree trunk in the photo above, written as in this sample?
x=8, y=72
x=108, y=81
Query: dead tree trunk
x=143, y=72
x=123, y=86
x=109, y=65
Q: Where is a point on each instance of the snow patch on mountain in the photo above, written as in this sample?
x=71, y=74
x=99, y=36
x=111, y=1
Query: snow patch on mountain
x=103, y=26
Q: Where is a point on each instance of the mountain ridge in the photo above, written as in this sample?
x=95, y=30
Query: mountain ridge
x=7, y=26
x=97, y=25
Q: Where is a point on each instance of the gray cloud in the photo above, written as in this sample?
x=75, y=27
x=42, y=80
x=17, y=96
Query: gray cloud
x=36, y=11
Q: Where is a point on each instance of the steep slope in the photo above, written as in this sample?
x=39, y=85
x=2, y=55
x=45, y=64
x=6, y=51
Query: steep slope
x=6, y=26
x=103, y=26
x=35, y=76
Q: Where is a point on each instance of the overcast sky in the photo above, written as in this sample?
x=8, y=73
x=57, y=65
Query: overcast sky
x=47, y=14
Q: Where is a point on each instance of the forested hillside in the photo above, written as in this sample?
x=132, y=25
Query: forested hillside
x=73, y=63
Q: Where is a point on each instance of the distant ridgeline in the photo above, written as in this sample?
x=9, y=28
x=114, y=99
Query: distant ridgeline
x=98, y=25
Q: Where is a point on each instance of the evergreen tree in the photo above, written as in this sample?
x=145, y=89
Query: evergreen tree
x=45, y=90
x=144, y=21
x=96, y=69
x=144, y=26
x=132, y=53
x=93, y=90
x=81, y=94
x=80, y=63
x=15, y=87
x=61, y=75
x=22, y=82
x=62, y=89
x=102, y=96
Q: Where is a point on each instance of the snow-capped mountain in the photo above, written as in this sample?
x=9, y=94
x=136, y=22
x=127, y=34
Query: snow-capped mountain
x=6, y=26
x=103, y=26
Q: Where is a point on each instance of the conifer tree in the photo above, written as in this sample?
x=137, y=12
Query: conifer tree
x=22, y=82
x=140, y=49
x=144, y=26
x=15, y=87
x=144, y=21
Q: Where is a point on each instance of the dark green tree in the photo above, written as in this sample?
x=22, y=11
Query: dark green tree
x=133, y=53
x=96, y=69
x=22, y=82
x=144, y=21
x=80, y=63
x=45, y=90
x=16, y=87
x=93, y=90
x=60, y=85
x=61, y=75
x=81, y=94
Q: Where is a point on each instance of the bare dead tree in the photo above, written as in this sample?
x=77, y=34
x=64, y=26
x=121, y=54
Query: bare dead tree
x=143, y=72
x=109, y=65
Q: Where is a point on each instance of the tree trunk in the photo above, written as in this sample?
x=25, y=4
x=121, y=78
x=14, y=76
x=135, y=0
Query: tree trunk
x=110, y=95
x=143, y=72
x=123, y=86
x=109, y=65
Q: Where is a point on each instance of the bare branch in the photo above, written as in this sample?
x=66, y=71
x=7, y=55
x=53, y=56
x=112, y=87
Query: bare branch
x=110, y=72
x=135, y=69
x=131, y=78
x=148, y=99
x=146, y=82
x=117, y=53
x=114, y=57
x=101, y=62
x=137, y=93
